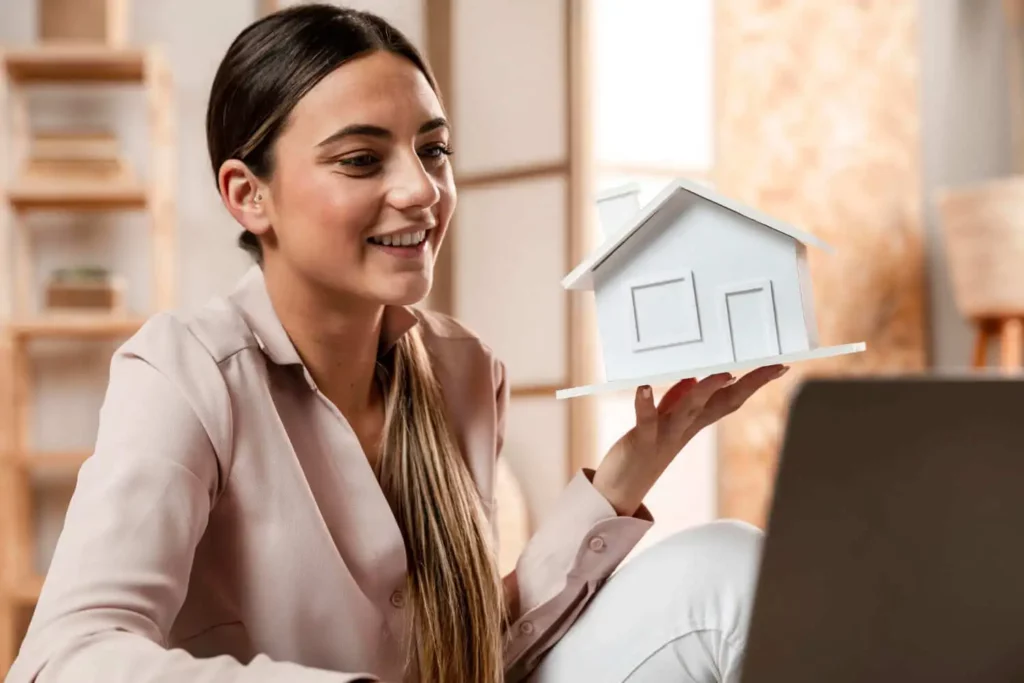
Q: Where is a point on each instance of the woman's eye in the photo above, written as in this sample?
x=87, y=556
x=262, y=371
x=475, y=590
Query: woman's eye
x=436, y=151
x=359, y=160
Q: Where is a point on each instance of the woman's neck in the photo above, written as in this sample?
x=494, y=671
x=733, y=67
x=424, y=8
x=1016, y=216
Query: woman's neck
x=337, y=341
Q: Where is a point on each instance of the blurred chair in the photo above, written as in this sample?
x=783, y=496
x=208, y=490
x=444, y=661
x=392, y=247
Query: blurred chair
x=983, y=229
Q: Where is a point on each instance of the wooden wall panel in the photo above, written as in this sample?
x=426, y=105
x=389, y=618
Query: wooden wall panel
x=509, y=257
x=408, y=16
x=536, y=442
x=817, y=123
x=509, y=70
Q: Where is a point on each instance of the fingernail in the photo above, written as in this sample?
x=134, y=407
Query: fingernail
x=782, y=371
x=645, y=391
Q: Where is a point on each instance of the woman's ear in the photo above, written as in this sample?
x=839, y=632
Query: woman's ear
x=245, y=196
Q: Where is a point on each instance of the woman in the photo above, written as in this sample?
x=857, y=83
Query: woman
x=295, y=483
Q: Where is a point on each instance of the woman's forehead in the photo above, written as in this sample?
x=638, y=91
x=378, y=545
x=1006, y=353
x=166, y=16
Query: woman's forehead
x=379, y=89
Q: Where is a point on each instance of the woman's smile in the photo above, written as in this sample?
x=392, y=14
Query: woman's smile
x=408, y=243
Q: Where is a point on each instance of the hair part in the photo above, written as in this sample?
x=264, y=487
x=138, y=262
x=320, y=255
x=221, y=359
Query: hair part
x=456, y=629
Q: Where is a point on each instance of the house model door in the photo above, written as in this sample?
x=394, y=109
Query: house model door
x=748, y=314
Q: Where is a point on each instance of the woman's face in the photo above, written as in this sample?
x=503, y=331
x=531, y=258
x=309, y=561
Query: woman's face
x=362, y=190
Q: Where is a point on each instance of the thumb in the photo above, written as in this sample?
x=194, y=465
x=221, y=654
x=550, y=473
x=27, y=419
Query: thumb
x=646, y=412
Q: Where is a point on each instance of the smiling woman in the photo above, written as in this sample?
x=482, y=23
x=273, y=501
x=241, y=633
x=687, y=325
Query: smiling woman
x=297, y=482
x=345, y=192
x=362, y=159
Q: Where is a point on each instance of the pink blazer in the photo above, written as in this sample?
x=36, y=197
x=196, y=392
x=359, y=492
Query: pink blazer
x=229, y=527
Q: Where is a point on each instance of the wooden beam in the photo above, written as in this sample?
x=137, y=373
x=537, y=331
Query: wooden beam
x=534, y=390
x=75, y=63
x=77, y=326
x=161, y=190
x=8, y=611
x=439, y=38
x=511, y=175
x=1014, y=14
x=21, y=541
x=581, y=351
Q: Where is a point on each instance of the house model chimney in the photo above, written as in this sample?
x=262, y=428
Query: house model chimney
x=615, y=207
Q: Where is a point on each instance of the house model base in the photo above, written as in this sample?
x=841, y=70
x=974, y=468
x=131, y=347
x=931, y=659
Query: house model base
x=669, y=378
x=695, y=283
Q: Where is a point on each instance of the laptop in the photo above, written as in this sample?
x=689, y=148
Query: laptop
x=895, y=539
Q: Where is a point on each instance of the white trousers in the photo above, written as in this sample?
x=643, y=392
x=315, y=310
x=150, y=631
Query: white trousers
x=677, y=612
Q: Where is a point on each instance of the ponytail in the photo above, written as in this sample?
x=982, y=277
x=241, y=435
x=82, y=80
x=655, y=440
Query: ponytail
x=454, y=583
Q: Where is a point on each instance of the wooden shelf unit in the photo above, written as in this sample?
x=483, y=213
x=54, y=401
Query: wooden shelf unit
x=20, y=326
x=77, y=197
x=75, y=327
x=73, y=63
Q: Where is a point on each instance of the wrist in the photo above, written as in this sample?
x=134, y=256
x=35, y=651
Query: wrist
x=619, y=495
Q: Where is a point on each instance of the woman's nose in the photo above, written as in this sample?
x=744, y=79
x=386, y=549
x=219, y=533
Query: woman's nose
x=412, y=186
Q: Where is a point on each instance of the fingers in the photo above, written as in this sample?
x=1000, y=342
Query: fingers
x=675, y=392
x=690, y=406
x=646, y=413
x=717, y=396
x=729, y=399
x=701, y=392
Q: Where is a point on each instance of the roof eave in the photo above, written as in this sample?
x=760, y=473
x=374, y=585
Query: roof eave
x=579, y=279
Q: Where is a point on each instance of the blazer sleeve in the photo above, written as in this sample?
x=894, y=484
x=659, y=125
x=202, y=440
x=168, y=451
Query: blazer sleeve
x=574, y=549
x=121, y=567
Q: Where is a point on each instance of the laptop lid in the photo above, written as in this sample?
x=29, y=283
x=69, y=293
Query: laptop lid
x=895, y=541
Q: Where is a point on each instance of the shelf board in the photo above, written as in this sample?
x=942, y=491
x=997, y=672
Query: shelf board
x=77, y=196
x=64, y=63
x=26, y=590
x=76, y=326
x=52, y=461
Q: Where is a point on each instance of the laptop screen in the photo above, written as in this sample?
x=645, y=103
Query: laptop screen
x=895, y=542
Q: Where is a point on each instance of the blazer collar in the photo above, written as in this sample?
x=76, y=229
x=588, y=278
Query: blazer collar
x=253, y=301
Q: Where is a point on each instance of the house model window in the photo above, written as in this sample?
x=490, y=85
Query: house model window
x=694, y=283
x=665, y=311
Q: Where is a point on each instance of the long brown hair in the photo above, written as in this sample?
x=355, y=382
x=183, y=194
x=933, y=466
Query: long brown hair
x=455, y=587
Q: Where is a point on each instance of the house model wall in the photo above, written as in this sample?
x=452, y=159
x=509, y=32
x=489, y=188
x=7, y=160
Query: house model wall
x=693, y=283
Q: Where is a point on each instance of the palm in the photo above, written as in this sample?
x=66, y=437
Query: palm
x=636, y=461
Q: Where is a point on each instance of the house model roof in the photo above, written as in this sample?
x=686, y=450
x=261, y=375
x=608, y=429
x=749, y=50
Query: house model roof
x=581, y=276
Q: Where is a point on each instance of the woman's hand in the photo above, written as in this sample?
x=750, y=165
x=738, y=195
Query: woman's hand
x=636, y=460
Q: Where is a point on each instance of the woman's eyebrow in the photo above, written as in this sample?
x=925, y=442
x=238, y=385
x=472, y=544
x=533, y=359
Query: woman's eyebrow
x=370, y=130
x=356, y=129
x=434, y=124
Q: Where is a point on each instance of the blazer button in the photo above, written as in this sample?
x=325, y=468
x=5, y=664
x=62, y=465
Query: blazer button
x=526, y=628
x=597, y=544
x=397, y=599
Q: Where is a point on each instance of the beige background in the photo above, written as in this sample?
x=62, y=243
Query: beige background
x=818, y=123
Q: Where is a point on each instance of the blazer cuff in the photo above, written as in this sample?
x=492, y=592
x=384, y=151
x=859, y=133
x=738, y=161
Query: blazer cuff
x=582, y=534
x=580, y=543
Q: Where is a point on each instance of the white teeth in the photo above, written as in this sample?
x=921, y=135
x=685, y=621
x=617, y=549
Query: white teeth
x=406, y=240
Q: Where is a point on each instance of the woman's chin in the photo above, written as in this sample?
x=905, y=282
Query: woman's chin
x=405, y=290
